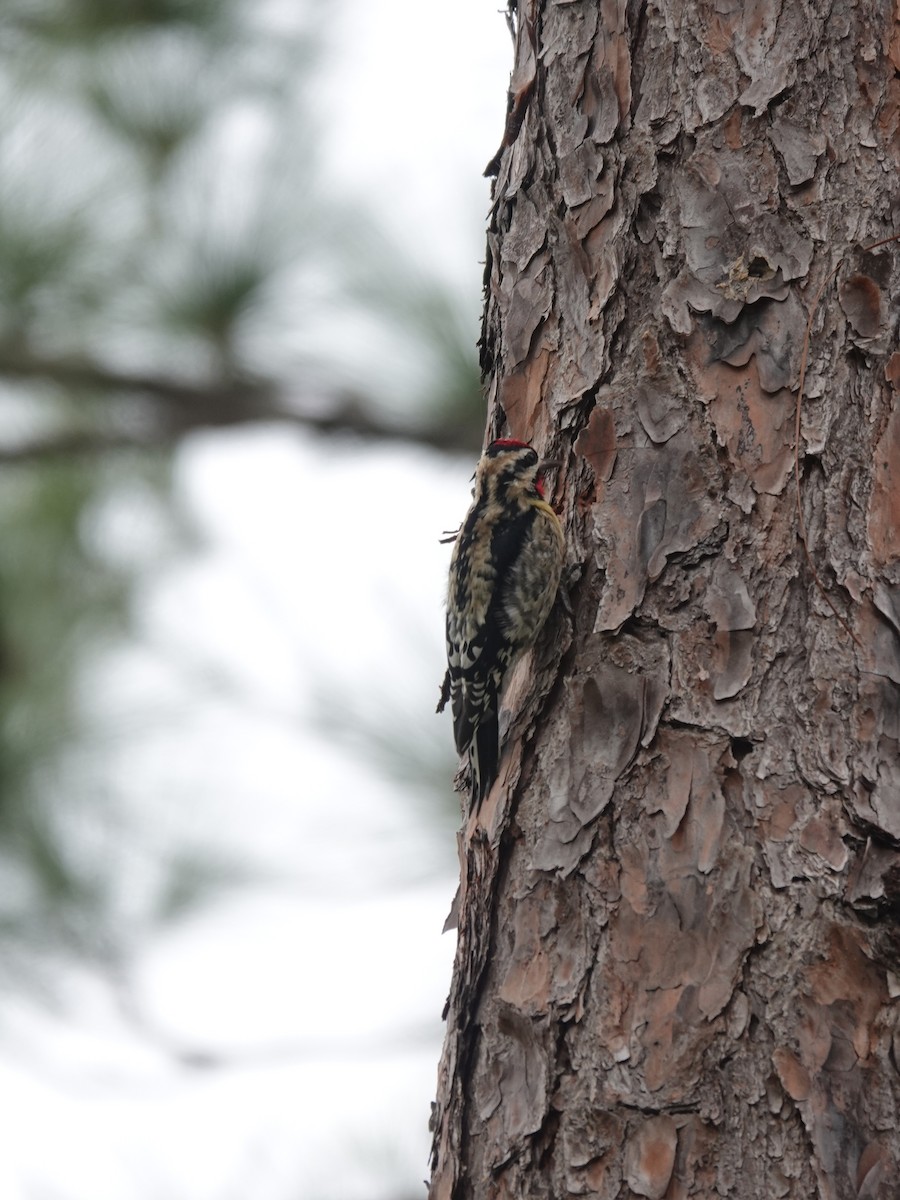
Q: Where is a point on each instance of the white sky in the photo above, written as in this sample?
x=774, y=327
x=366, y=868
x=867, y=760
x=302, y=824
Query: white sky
x=297, y=536
x=418, y=96
x=327, y=983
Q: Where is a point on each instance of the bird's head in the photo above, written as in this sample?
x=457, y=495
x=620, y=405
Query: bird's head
x=512, y=468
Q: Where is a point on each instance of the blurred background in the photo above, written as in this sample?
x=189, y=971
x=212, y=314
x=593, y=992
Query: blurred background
x=240, y=277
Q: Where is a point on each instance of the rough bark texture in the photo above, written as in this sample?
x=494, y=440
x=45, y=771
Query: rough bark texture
x=679, y=926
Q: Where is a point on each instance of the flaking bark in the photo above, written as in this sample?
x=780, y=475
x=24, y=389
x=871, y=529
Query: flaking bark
x=679, y=923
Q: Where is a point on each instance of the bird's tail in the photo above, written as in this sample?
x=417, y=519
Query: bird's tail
x=484, y=756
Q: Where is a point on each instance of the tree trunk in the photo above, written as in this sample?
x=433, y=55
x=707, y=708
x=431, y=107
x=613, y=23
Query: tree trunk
x=679, y=924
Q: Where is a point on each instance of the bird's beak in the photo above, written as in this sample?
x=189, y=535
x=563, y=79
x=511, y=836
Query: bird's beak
x=549, y=463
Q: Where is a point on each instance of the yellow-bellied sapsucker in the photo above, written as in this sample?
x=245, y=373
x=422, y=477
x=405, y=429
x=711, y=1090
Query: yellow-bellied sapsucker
x=504, y=576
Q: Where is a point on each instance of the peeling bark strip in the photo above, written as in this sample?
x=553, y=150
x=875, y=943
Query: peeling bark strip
x=678, y=966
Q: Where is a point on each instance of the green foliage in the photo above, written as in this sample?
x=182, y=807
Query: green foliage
x=168, y=261
x=84, y=21
x=162, y=217
x=56, y=599
x=54, y=596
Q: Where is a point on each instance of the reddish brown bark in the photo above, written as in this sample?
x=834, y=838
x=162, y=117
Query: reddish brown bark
x=679, y=928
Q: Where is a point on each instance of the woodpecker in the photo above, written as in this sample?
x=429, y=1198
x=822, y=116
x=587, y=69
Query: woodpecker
x=504, y=576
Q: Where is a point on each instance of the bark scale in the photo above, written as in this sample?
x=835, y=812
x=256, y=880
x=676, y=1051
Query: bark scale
x=679, y=927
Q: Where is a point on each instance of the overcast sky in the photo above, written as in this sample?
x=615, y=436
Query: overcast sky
x=324, y=987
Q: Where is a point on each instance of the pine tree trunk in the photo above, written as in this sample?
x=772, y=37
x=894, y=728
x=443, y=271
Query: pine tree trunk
x=679, y=929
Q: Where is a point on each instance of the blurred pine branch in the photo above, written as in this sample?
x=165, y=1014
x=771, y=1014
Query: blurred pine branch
x=170, y=261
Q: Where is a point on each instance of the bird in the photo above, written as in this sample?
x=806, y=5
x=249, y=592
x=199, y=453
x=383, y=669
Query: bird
x=505, y=571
